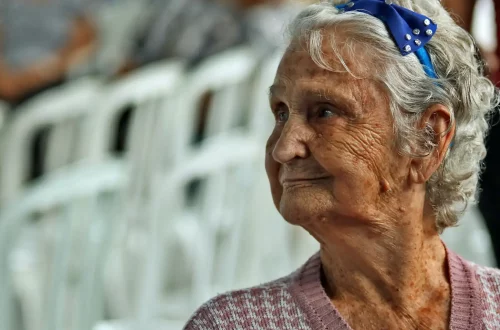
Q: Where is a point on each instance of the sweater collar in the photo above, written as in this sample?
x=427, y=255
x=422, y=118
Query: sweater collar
x=465, y=295
x=322, y=314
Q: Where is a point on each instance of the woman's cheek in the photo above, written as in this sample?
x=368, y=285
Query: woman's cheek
x=326, y=148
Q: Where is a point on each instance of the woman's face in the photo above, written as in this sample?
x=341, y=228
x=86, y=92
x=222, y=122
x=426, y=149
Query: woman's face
x=332, y=154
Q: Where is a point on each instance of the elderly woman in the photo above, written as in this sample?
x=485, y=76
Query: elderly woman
x=381, y=110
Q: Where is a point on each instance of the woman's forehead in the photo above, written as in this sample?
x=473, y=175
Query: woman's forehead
x=330, y=66
x=297, y=70
x=333, y=48
x=300, y=61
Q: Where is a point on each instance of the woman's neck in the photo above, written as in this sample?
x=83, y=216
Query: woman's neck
x=400, y=265
x=369, y=269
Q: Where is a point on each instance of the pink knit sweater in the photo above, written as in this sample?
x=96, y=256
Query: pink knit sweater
x=299, y=302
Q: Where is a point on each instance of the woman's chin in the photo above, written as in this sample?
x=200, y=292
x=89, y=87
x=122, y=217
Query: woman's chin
x=302, y=206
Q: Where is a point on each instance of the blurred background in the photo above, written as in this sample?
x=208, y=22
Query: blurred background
x=132, y=134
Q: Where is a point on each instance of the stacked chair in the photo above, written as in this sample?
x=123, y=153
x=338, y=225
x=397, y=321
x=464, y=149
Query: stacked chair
x=139, y=239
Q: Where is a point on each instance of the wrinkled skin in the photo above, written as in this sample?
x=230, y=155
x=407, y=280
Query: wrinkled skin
x=335, y=170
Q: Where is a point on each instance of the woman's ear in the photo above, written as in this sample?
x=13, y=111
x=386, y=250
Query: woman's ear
x=439, y=121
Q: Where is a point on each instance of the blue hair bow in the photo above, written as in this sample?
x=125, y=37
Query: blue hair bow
x=410, y=30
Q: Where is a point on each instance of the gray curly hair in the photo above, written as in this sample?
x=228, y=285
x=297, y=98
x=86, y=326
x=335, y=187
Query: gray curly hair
x=461, y=86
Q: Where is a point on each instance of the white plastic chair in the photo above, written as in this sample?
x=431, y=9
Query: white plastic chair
x=228, y=77
x=191, y=231
x=62, y=109
x=148, y=92
x=41, y=275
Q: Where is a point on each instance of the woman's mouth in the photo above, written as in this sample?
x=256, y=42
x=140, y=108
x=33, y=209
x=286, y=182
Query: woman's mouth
x=297, y=181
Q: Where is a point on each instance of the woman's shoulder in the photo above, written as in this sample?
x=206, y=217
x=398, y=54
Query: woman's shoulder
x=262, y=306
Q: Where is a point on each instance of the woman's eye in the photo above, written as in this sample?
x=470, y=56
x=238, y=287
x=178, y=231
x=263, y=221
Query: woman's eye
x=326, y=112
x=281, y=114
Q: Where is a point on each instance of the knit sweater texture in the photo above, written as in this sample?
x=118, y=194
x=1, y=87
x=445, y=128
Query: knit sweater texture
x=299, y=302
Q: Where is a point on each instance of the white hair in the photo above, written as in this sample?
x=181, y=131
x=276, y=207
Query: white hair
x=461, y=86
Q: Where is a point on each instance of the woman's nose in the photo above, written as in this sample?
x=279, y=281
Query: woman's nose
x=292, y=142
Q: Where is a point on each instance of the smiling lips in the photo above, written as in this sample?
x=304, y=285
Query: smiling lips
x=302, y=175
x=292, y=181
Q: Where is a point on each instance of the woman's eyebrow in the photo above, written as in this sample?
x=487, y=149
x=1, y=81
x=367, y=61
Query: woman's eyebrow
x=328, y=94
x=275, y=90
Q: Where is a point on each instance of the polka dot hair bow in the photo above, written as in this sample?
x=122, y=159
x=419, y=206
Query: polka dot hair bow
x=411, y=31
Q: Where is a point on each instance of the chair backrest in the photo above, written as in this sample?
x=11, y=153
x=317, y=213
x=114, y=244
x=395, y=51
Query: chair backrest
x=62, y=110
x=147, y=94
x=227, y=78
x=53, y=266
x=144, y=91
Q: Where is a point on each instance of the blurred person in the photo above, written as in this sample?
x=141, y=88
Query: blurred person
x=380, y=110
x=489, y=199
x=196, y=29
x=264, y=21
x=463, y=12
x=40, y=40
